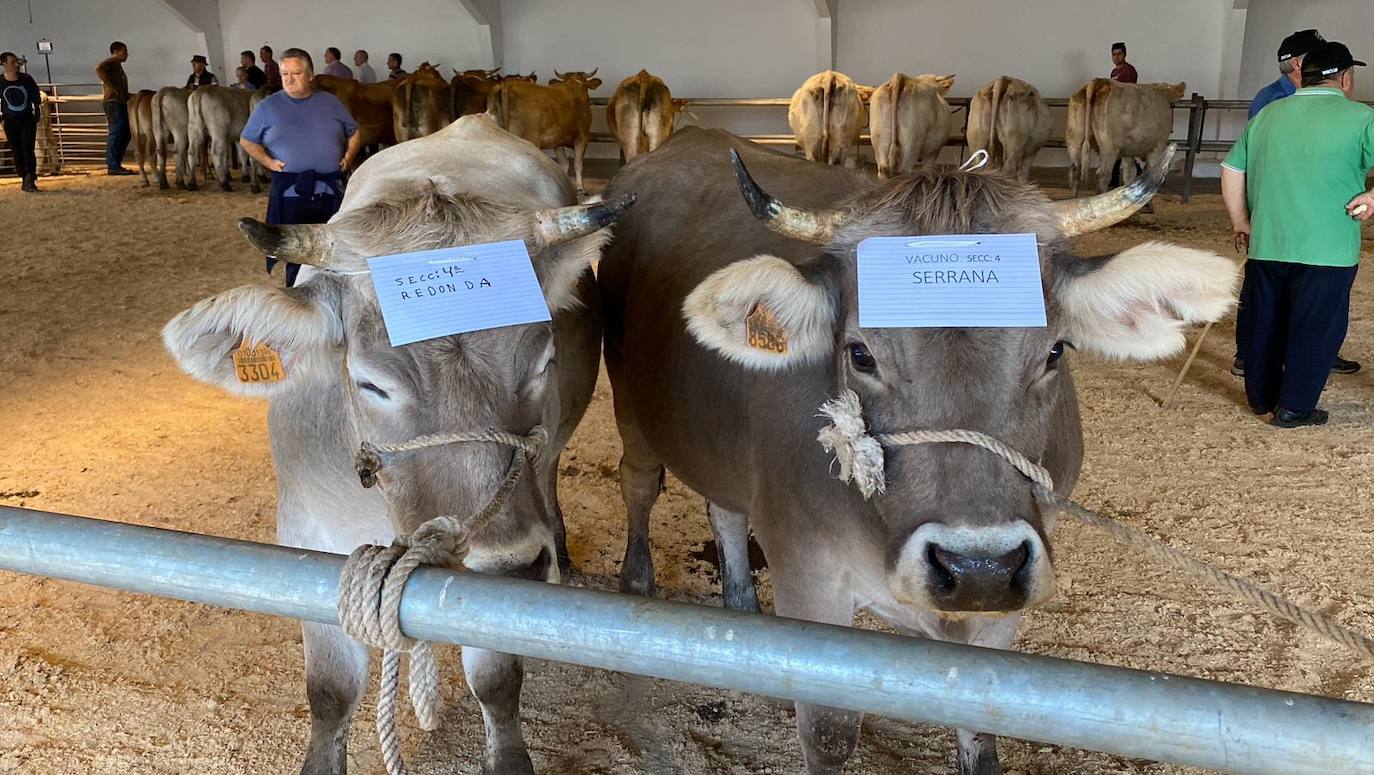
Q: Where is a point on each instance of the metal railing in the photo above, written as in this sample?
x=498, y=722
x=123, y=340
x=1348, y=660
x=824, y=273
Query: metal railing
x=1224, y=726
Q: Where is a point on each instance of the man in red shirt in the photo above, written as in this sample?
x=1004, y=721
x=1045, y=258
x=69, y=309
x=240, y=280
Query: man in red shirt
x=1122, y=70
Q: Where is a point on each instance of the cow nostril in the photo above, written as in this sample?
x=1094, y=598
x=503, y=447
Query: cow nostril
x=1019, y=561
x=944, y=577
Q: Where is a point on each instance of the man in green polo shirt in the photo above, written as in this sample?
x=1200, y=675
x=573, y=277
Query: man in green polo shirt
x=1293, y=184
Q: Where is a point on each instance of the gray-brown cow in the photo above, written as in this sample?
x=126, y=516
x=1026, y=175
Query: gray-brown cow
x=827, y=117
x=1120, y=120
x=910, y=122
x=345, y=384
x=141, y=130
x=171, y=116
x=956, y=546
x=1011, y=121
x=640, y=114
x=218, y=114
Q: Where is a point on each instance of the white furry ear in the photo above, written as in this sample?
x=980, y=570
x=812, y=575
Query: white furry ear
x=560, y=267
x=299, y=323
x=1135, y=305
x=800, y=316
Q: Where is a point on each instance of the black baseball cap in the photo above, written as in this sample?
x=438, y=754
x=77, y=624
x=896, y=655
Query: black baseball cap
x=1299, y=43
x=1328, y=59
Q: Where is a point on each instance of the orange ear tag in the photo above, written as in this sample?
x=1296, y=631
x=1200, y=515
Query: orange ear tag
x=764, y=331
x=258, y=363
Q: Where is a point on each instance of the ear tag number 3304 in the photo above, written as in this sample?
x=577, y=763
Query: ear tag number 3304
x=258, y=363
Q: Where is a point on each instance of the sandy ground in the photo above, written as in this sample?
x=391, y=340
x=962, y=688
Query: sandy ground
x=98, y=421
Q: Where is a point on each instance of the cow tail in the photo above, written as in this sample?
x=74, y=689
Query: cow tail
x=1086, y=143
x=999, y=88
x=497, y=105
x=894, y=140
x=411, y=110
x=159, y=132
x=642, y=135
x=827, y=92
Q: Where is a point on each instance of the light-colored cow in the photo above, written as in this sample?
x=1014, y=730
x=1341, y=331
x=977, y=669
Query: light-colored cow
x=827, y=117
x=910, y=122
x=556, y=117
x=640, y=114
x=1010, y=120
x=171, y=116
x=345, y=384
x=141, y=129
x=1121, y=121
x=725, y=335
x=219, y=114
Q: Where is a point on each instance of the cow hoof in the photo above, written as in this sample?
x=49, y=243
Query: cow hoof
x=162, y=184
x=509, y=762
x=193, y=186
x=225, y=187
x=181, y=186
x=244, y=179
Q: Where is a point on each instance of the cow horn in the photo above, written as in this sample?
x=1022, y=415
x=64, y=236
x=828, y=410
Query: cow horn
x=814, y=226
x=568, y=223
x=297, y=244
x=1080, y=216
x=557, y=74
x=592, y=74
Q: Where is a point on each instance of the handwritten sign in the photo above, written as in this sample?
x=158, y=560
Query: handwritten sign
x=436, y=293
x=950, y=281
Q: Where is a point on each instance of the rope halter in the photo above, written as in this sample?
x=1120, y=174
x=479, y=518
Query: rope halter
x=374, y=577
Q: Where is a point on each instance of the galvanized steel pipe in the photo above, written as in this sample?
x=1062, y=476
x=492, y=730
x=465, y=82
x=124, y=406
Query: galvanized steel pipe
x=1223, y=726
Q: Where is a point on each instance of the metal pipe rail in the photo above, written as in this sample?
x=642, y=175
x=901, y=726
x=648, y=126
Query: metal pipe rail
x=1223, y=726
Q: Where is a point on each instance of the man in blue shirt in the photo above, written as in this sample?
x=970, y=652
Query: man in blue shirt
x=1291, y=53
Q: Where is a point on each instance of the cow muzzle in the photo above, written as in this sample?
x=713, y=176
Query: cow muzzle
x=962, y=569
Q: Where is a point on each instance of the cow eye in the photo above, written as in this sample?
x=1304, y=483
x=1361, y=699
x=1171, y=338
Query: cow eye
x=861, y=358
x=1056, y=353
x=368, y=387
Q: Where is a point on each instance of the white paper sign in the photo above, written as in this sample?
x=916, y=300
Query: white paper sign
x=436, y=293
x=950, y=281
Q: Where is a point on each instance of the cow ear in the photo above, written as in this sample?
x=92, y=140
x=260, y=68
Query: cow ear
x=301, y=325
x=1135, y=304
x=944, y=83
x=762, y=313
x=594, y=84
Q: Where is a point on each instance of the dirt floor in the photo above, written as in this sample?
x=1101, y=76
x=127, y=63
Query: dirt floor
x=98, y=421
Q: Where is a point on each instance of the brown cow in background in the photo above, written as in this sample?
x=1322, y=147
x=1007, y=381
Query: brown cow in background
x=554, y=117
x=471, y=89
x=910, y=122
x=1120, y=120
x=1011, y=121
x=422, y=104
x=826, y=115
x=368, y=103
x=640, y=114
x=141, y=127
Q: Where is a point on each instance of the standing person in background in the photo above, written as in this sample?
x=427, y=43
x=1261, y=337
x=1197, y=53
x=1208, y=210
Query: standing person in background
x=115, y=101
x=332, y=65
x=200, y=73
x=393, y=64
x=1122, y=70
x=19, y=106
x=256, y=77
x=1294, y=186
x=365, y=72
x=308, y=140
x=270, y=68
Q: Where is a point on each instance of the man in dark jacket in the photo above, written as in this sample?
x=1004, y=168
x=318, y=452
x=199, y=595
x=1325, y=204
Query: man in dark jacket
x=200, y=73
x=115, y=101
x=256, y=77
x=19, y=101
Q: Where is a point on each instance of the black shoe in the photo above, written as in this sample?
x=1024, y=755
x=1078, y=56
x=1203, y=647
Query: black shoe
x=119, y=171
x=1287, y=418
x=1342, y=366
x=1263, y=411
x=1238, y=367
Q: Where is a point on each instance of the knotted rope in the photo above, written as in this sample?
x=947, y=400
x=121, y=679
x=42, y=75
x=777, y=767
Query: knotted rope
x=374, y=577
x=860, y=456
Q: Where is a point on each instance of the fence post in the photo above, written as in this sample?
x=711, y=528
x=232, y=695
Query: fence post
x=1197, y=114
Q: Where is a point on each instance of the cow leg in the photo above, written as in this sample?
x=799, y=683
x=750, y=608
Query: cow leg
x=195, y=150
x=555, y=512
x=219, y=149
x=562, y=159
x=335, y=679
x=1107, y=158
x=731, y=530
x=641, y=480
x=802, y=590
x=160, y=164
x=494, y=679
x=580, y=151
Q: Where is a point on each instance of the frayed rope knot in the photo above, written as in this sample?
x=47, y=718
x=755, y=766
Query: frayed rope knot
x=860, y=455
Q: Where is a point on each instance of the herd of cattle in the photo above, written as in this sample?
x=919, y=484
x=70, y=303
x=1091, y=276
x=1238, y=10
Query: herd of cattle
x=715, y=239
x=908, y=118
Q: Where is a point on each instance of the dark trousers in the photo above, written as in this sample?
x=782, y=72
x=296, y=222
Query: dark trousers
x=306, y=206
x=117, y=118
x=22, y=132
x=1295, y=317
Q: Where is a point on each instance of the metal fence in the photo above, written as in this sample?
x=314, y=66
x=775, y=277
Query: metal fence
x=1223, y=726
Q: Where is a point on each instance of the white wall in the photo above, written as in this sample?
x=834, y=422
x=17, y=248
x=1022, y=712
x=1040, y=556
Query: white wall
x=437, y=31
x=1270, y=21
x=160, y=45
